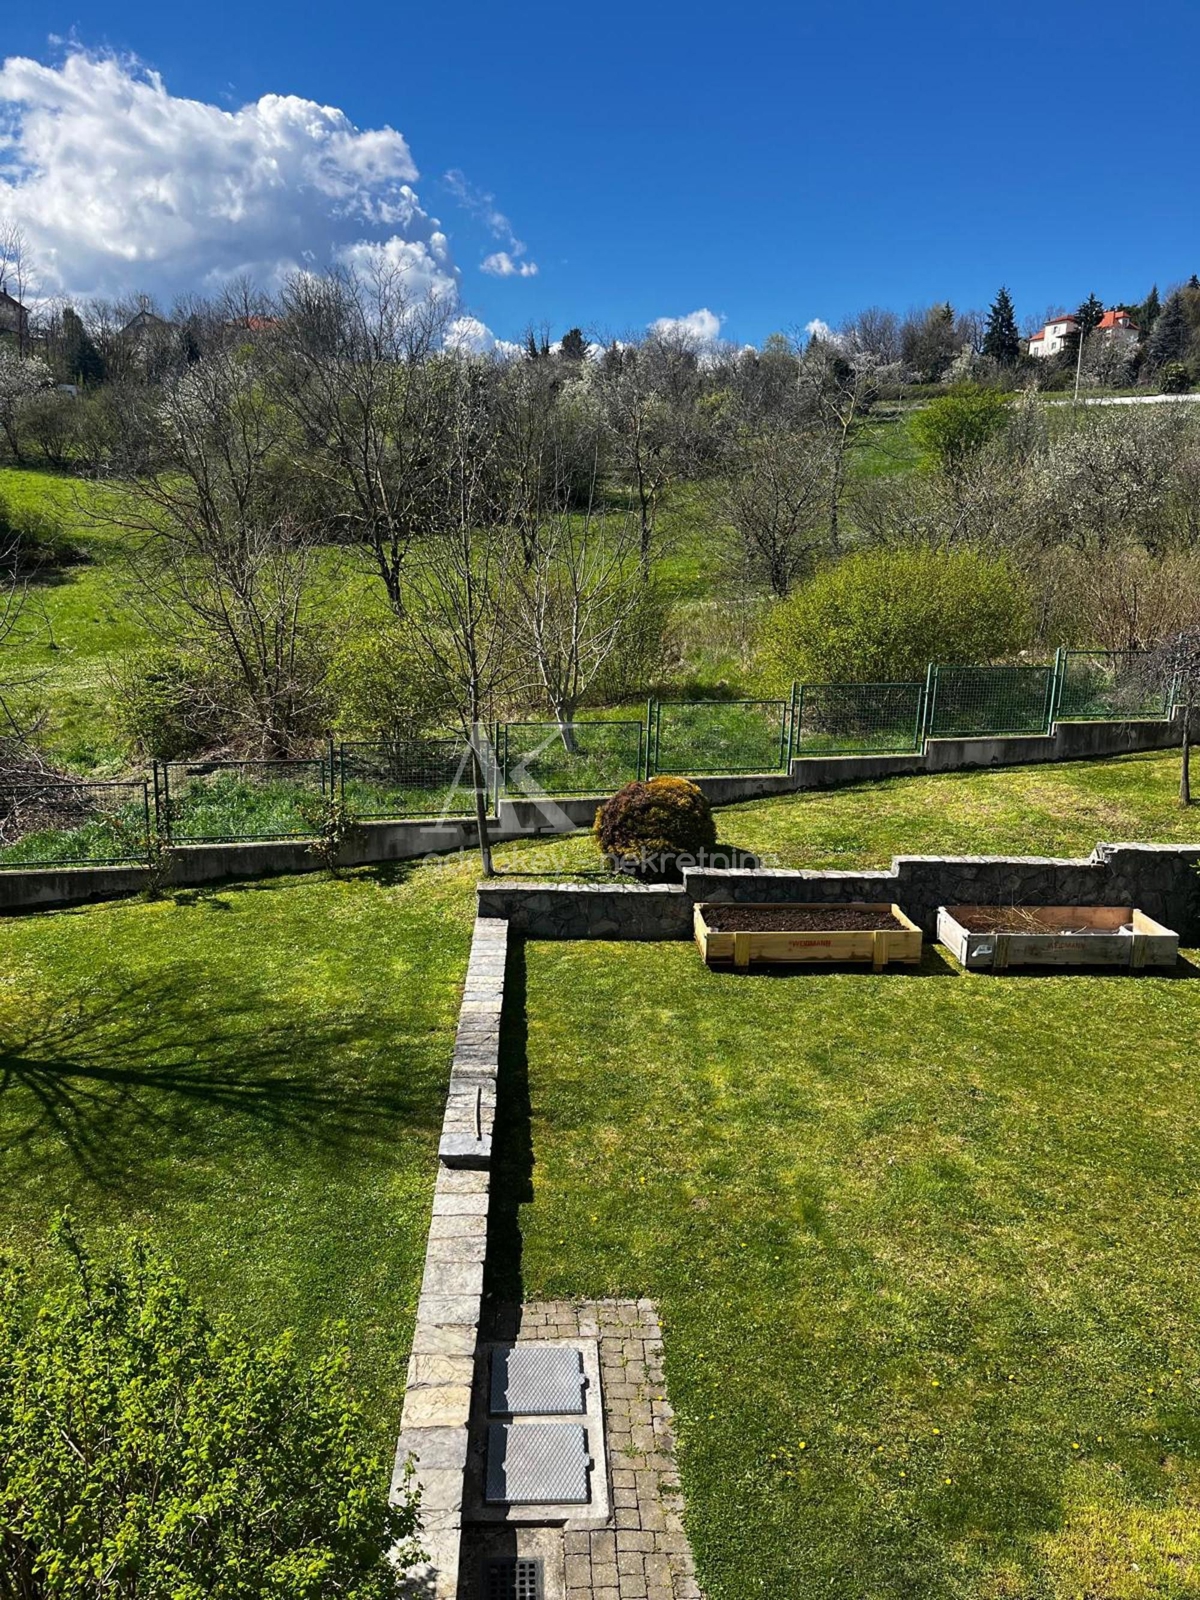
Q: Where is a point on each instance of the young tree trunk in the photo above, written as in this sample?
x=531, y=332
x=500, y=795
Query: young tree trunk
x=481, y=816
x=1185, y=769
x=564, y=715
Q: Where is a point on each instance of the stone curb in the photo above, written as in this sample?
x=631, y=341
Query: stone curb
x=437, y=1395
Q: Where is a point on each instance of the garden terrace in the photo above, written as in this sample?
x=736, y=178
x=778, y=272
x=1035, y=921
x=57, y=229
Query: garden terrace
x=922, y=1246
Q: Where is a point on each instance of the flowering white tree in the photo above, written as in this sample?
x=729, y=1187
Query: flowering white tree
x=21, y=377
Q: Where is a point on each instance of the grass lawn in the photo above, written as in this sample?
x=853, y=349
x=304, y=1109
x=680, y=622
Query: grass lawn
x=254, y=1077
x=924, y=1246
x=1053, y=810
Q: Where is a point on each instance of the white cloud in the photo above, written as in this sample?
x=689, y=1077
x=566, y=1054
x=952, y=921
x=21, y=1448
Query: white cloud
x=469, y=336
x=501, y=265
x=819, y=329
x=504, y=263
x=122, y=186
x=701, y=329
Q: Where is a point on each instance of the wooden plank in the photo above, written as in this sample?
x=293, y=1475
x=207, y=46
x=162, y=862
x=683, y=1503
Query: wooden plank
x=751, y=946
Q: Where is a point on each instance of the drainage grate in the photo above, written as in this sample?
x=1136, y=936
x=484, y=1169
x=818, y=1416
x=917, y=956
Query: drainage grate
x=512, y=1579
x=536, y=1380
x=537, y=1464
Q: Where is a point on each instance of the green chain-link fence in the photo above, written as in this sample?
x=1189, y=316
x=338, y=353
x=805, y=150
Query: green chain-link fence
x=977, y=702
x=220, y=802
x=850, y=718
x=698, y=737
x=59, y=821
x=416, y=778
x=570, y=758
x=1103, y=685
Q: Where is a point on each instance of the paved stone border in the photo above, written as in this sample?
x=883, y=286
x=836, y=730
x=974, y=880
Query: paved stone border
x=437, y=1396
x=643, y=1552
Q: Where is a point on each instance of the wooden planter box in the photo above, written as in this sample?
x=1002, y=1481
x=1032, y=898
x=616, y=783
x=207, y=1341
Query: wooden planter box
x=1075, y=936
x=775, y=947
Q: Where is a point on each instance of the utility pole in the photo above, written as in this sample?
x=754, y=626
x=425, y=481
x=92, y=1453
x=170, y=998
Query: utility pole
x=1078, y=365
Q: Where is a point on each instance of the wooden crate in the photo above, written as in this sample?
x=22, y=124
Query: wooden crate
x=742, y=950
x=1091, y=937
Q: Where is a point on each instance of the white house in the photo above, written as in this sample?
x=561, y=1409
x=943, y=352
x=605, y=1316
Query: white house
x=1052, y=337
x=1118, y=327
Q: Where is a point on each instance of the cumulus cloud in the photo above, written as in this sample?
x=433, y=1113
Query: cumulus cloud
x=818, y=329
x=121, y=185
x=472, y=337
x=504, y=263
x=501, y=265
x=701, y=329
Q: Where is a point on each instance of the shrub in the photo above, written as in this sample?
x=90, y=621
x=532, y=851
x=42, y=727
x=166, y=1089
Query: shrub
x=32, y=541
x=665, y=817
x=956, y=425
x=143, y=1451
x=883, y=615
x=381, y=689
x=167, y=706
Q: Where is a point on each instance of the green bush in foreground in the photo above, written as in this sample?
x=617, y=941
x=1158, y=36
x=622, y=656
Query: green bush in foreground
x=883, y=615
x=145, y=1453
x=665, y=817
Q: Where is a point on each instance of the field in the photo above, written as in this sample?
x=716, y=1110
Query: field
x=923, y=1249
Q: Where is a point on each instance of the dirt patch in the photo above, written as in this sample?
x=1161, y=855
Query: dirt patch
x=797, y=919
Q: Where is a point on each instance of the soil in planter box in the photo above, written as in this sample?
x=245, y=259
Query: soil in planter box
x=1023, y=919
x=796, y=919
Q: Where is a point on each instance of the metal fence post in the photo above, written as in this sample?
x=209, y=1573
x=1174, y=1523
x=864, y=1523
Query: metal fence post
x=929, y=703
x=791, y=740
x=650, y=727
x=146, y=816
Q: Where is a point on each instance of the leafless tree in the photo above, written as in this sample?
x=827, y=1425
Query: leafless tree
x=1177, y=662
x=358, y=370
x=456, y=600
x=224, y=567
x=776, y=497
x=17, y=275
x=640, y=422
x=574, y=604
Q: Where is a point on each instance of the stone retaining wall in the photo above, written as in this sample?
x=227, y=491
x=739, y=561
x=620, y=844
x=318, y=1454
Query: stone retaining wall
x=1161, y=879
x=27, y=889
x=437, y=1396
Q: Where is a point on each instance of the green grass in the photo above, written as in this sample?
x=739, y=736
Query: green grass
x=254, y=1077
x=1052, y=810
x=924, y=1249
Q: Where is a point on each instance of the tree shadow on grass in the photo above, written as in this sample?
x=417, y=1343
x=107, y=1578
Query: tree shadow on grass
x=512, y=1150
x=113, y=1080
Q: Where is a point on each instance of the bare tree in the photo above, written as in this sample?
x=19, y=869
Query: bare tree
x=839, y=388
x=1177, y=664
x=776, y=498
x=456, y=597
x=641, y=430
x=17, y=275
x=224, y=565
x=574, y=603
x=358, y=370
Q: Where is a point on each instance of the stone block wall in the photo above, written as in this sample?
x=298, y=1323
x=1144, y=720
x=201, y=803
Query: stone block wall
x=437, y=1396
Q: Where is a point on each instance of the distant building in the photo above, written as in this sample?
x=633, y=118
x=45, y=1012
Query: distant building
x=1053, y=336
x=1118, y=327
x=14, y=319
x=144, y=326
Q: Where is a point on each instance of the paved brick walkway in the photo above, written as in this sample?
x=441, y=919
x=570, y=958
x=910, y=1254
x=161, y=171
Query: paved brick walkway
x=643, y=1552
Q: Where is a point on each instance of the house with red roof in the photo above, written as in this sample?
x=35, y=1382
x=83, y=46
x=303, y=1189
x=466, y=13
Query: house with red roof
x=1118, y=327
x=1050, y=339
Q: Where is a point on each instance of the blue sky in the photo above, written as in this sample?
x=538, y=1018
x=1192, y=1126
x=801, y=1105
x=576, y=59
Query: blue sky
x=772, y=163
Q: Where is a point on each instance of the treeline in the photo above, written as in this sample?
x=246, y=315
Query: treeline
x=333, y=517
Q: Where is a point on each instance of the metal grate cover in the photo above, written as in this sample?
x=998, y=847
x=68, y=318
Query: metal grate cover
x=536, y=1380
x=513, y=1578
x=537, y=1464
